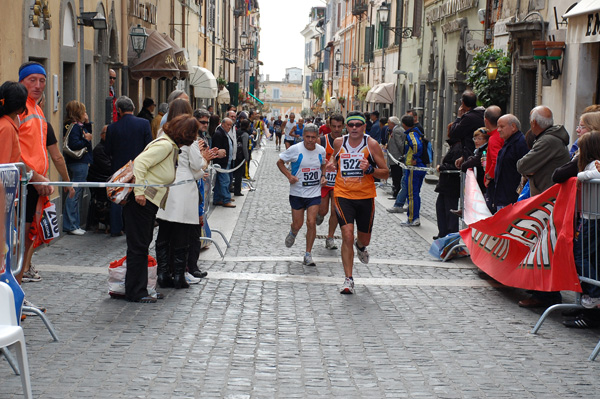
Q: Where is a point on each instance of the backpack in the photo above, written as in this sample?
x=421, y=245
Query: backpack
x=427, y=153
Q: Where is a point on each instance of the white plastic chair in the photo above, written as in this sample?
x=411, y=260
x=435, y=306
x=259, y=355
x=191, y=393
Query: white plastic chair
x=11, y=333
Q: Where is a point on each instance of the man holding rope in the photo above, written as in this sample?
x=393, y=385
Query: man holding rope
x=358, y=160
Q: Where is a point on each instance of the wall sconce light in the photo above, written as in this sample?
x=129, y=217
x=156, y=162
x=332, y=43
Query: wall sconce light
x=491, y=70
x=93, y=19
x=138, y=39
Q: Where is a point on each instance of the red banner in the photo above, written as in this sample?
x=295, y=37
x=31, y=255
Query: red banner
x=529, y=244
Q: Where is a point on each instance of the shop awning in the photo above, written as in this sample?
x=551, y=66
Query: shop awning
x=370, y=94
x=224, y=97
x=584, y=20
x=383, y=93
x=180, y=57
x=204, y=83
x=157, y=61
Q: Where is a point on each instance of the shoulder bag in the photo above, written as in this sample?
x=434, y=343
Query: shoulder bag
x=77, y=154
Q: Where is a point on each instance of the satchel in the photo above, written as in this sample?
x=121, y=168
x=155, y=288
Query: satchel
x=119, y=195
x=77, y=154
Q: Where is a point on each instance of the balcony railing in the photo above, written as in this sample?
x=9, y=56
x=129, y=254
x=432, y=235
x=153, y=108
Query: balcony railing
x=360, y=7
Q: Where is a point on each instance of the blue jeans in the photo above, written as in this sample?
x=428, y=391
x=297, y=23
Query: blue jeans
x=77, y=172
x=414, y=181
x=221, y=189
x=403, y=193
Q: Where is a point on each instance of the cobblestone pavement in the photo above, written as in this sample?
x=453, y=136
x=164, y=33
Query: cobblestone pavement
x=262, y=325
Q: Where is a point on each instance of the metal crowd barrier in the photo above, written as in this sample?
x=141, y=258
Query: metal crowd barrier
x=588, y=213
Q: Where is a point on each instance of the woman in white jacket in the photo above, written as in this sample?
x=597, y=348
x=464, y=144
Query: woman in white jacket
x=181, y=211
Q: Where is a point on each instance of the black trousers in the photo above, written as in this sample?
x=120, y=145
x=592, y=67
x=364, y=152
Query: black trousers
x=174, y=236
x=446, y=220
x=194, y=247
x=238, y=176
x=397, y=174
x=140, y=225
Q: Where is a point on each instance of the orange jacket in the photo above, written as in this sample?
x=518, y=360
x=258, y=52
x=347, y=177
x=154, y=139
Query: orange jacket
x=33, y=132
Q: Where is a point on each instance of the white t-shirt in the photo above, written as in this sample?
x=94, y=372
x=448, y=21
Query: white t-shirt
x=306, y=166
x=288, y=128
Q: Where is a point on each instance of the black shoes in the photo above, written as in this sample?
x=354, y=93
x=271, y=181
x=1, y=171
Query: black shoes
x=199, y=273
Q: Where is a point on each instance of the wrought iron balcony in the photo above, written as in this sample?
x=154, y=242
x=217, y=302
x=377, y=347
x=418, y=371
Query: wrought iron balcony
x=360, y=7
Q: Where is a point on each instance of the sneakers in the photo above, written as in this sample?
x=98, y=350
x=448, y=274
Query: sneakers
x=415, y=222
x=363, y=255
x=348, y=286
x=581, y=321
x=191, y=279
x=330, y=243
x=396, y=209
x=290, y=239
x=589, y=303
x=320, y=219
x=31, y=305
x=308, y=260
x=76, y=232
x=31, y=275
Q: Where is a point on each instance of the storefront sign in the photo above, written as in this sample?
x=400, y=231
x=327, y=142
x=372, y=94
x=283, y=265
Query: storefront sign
x=448, y=8
x=593, y=24
x=473, y=46
x=143, y=10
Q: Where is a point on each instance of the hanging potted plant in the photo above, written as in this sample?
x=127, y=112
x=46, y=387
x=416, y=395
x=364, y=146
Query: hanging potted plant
x=221, y=83
x=555, y=50
x=362, y=92
x=539, y=49
x=355, y=80
x=342, y=100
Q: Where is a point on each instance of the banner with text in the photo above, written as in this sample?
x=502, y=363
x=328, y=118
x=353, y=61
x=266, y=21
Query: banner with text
x=529, y=244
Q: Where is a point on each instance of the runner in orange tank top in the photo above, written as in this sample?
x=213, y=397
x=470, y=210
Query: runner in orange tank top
x=358, y=159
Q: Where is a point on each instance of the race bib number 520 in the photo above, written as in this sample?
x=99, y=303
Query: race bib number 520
x=310, y=177
x=350, y=165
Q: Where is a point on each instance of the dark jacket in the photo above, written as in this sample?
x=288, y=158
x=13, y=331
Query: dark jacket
x=77, y=142
x=375, y=131
x=463, y=128
x=221, y=140
x=507, y=177
x=566, y=171
x=146, y=114
x=549, y=152
x=100, y=169
x=126, y=139
x=474, y=162
x=449, y=183
x=242, y=146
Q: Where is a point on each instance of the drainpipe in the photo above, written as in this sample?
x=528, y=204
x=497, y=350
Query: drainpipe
x=124, y=47
x=81, y=58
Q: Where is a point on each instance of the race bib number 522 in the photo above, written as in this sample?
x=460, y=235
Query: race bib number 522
x=350, y=165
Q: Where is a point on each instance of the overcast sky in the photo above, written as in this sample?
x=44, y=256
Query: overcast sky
x=281, y=44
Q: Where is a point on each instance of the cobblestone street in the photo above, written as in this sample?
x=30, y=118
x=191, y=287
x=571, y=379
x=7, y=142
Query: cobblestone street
x=262, y=325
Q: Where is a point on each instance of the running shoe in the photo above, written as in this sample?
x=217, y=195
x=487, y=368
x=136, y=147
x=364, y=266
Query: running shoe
x=415, y=222
x=348, y=287
x=290, y=239
x=191, y=279
x=320, y=219
x=76, y=232
x=308, y=260
x=31, y=275
x=31, y=305
x=363, y=255
x=330, y=243
x=589, y=303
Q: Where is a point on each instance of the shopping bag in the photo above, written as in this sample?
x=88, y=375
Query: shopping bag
x=44, y=227
x=119, y=195
x=444, y=248
x=205, y=232
x=116, y=276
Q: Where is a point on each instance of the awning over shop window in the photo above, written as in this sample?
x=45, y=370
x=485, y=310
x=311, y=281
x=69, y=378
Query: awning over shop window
x=224, y=97
x=204, y=83
x=180, y=58
x=157, y=61
x=584, y=22
x=383, y=93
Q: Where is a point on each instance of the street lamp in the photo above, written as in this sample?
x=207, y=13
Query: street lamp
x=338, y=55
x=384, y=12
x=491, y=70
x=244, y=39
x=93, y=19
x=138, y=39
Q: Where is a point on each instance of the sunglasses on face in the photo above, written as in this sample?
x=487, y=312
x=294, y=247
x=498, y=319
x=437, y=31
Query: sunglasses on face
x=113, y=78
x=203, y=122
x=355, y=124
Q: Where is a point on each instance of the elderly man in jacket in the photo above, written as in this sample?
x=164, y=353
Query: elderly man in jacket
x=222, y=141
x=549, y=151
x=395, y=149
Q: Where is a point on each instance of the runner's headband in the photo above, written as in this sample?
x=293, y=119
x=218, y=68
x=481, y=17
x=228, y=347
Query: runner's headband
x=359, y=118
x=30, y=70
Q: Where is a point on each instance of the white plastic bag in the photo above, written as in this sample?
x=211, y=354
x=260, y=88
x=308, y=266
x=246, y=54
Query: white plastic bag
x=116, y=276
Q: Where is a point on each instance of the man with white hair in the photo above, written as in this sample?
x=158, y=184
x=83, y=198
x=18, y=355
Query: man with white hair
x=507, y=178
x=549, y=151
x=222, y=141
